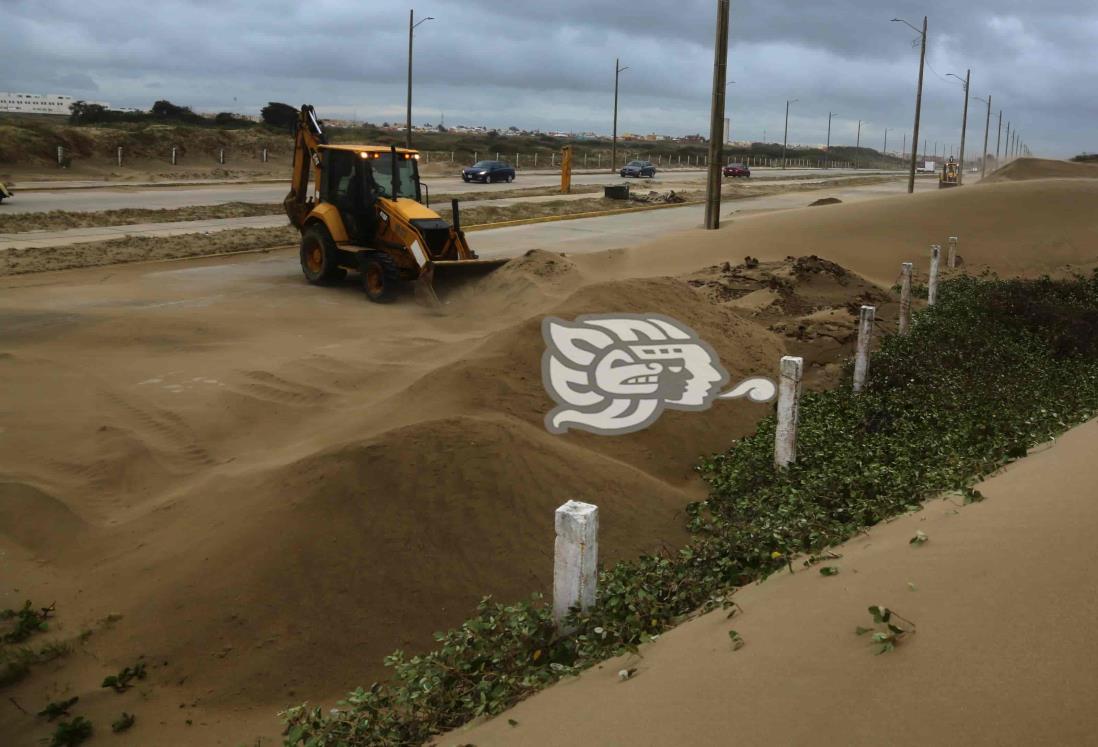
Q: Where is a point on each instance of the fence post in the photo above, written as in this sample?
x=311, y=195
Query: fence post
x=428, y=156
x=173, y=155
x=451, y=156
x=600, y=160
x=221, y=156
x=575, y=558
x=905, y=297
x=585, y=159
x=789, y=395
x=861, y=355
x=516, y=160
x=932, y=283
x=264, y=155
x=497, y=155
x=474, y=156
x=553, y=158
x=119, y=155
x=952, y=261
x=60, y=155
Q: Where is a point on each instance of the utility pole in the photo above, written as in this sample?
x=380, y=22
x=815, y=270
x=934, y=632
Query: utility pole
x=918, y=102
x=903, y=148
x=717, y=121
x=858, y=145
x=987, y=131
x=614, y=143
x=411, y=28
x=1006, y=147
x=827, y=160
x=785, y=141
x=884, y=152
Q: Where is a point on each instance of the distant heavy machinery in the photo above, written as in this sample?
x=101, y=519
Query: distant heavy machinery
x=366, y=214
x=950, y=176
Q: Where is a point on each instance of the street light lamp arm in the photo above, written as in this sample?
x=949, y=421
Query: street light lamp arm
x=900, y=20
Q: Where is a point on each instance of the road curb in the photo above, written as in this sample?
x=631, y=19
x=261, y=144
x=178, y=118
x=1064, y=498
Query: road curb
x=577, y=216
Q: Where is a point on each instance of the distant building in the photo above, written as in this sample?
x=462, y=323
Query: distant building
x=40, y=103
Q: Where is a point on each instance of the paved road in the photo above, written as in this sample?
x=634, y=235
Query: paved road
x=152, y=197
x=589, y=234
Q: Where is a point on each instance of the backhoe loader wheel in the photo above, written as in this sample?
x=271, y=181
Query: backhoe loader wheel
x=319, y=257
x=380, y=276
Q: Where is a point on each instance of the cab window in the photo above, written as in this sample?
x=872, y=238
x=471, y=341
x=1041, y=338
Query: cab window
x=407, y=174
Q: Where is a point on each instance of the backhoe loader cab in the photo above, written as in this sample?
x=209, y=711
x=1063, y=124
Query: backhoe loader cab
x=366, y=213
x=950, y=176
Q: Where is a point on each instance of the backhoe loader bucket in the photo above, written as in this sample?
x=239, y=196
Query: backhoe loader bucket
x=442, y=278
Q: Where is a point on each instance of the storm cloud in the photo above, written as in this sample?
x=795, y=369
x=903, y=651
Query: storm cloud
x=550, y=64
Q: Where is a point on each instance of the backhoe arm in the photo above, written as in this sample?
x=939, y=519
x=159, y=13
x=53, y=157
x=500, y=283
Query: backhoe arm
x=308, y=137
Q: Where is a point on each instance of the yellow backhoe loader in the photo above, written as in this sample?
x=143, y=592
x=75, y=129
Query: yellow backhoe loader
x=950, y=176
x=366, y=213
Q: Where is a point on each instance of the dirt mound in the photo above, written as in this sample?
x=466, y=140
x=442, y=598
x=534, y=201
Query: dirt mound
x=811, y=302
x=275, y=485
x=1025, y=169
x=825, y=201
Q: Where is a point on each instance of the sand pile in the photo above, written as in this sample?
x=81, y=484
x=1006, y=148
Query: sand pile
x=984, y=581
x=1025, y=169
x=275, y=485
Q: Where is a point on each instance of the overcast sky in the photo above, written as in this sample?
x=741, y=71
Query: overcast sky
x=550, y=63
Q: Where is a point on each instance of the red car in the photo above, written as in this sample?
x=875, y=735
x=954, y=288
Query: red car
x=736, y=169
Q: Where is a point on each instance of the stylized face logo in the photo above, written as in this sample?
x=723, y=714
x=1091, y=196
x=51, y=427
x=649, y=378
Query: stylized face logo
x=612, y=374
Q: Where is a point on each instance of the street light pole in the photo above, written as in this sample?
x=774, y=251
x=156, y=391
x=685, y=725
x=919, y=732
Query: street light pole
x=716, y=122
x=964, y=126
x=918, y=102
x=885, y=151
x=999, y=139
x=785, y=141
x=1006, y=147
x=827, y=160
x=614, y=143
x=411, y=28
x=987, y=131
x=858, y=145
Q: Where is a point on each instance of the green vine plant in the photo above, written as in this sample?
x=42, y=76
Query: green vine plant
x=121, y=682
x=58, y=708
x=890, y=630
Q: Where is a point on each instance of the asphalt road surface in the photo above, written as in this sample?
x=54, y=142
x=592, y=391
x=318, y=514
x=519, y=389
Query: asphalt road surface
x=151, y=197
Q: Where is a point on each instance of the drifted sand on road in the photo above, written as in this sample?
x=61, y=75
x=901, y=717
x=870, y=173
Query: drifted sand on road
x=275, y=485
x=1002, y=597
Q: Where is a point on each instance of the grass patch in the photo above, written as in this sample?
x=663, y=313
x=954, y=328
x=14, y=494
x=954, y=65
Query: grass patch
x=994, y=368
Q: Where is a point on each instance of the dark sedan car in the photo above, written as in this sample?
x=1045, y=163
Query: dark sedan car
x=488, y=171
x=736, y=169
x=639, y=169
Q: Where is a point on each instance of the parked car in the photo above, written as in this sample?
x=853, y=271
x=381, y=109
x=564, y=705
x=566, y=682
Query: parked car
x=639, y=169
x=488, y=171
x=736, y=169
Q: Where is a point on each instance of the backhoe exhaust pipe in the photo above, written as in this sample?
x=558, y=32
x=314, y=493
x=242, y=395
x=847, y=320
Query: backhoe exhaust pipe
x=456, y=214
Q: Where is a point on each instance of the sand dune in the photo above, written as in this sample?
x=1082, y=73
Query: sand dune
x=1025, y=169
x=275, y=485
x=990, y=663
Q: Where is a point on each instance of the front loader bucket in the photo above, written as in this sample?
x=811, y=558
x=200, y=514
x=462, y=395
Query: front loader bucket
x=444, y=277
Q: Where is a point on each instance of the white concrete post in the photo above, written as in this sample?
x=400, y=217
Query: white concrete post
x=516, y=160
x=575, y=558
x=120, y=155
x=789, y=396
x=497, y=155
x=553, y=158
x=60, y=155
x=535, y=159
x=905, y=297
x=600, y=161
x=173, y=155
x=428, y=156
x=952, y=262
x=861, y=354
x=265, y=155
x=221, y=156
x=932, y=283
x=451, y=156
